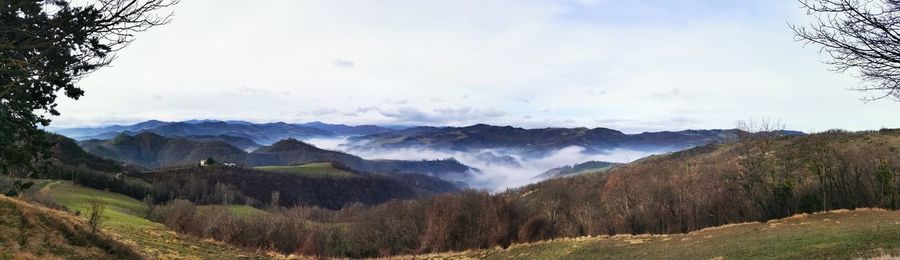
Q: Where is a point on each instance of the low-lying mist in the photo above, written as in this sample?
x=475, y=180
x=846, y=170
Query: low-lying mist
x=498, y=172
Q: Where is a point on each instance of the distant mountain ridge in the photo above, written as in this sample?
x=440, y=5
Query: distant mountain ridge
x=529, y=142
x=537, y=141
x=265, y=133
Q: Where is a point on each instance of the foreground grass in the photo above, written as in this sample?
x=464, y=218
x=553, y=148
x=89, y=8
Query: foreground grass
x=832, y=235
x=125, y=223
x=314, y=170
x=33, y=232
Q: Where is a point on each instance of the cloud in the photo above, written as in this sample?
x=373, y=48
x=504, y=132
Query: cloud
x=359, y=111
x=253, y=91
x=344, y=63
x=319, y=112
x=408, y=114
x=660, y=124
x=669, y=94
x=596, y=92
x=396, y=102
x=494, y=177
x=442, y=116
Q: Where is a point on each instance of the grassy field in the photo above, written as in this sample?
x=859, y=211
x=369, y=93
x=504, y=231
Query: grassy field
x=832, y=235
x=315, y=170
x=125, y=223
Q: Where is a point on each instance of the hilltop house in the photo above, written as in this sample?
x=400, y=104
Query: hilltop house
x=207, y=162
x=211, y=162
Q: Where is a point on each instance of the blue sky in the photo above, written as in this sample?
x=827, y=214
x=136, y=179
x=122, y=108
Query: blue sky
x=630, y=65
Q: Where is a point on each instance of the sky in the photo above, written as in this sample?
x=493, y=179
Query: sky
x=640, y=65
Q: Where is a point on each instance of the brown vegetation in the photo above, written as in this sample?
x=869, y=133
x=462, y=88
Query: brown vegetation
x=764, y=176
x=33, y=232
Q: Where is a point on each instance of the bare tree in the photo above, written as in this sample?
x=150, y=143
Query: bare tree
x=859, y=35
x=758, y=172
x=95, y=216
x=276, y=196
x=149, y=206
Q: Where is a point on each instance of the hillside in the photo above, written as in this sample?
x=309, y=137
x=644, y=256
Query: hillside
x=577, y=169
x=321, y=170
x=126, y=223
x=833, y=235
x=316, y=184
x=34, y=232
x=67, y=151
x=294, y=152
x=154, y=151
x=536, y=141
x=243, y=143
x=765, y=177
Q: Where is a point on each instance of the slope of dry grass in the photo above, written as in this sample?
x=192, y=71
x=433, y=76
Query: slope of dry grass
x=34, y=232
x=125, y=223
x=841, y=234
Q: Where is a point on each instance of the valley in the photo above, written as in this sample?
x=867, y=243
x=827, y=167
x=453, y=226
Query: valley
x=641, y=129
x=604, y=201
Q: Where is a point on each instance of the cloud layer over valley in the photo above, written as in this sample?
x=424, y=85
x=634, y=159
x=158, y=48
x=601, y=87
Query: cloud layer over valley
x=495, y=175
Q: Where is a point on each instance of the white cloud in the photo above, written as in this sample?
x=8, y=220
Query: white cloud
x=344, y=63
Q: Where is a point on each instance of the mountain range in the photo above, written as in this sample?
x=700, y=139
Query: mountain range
x=249, y=136
x=537, y=141
x=266, y=133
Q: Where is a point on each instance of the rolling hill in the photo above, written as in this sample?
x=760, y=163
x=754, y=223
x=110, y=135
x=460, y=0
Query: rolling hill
x=154, y=151
x=765, y=177
x=318, y=184
x=581, y=168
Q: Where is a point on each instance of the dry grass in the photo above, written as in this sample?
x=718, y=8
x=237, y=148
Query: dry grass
x=34, y=232
x=838, y=234
x=126, y=224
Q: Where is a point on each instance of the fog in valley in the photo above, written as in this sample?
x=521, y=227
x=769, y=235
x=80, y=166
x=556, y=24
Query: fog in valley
x=497, y=172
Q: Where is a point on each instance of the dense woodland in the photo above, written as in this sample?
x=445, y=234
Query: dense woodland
x=232, y=185
x=764, y=177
